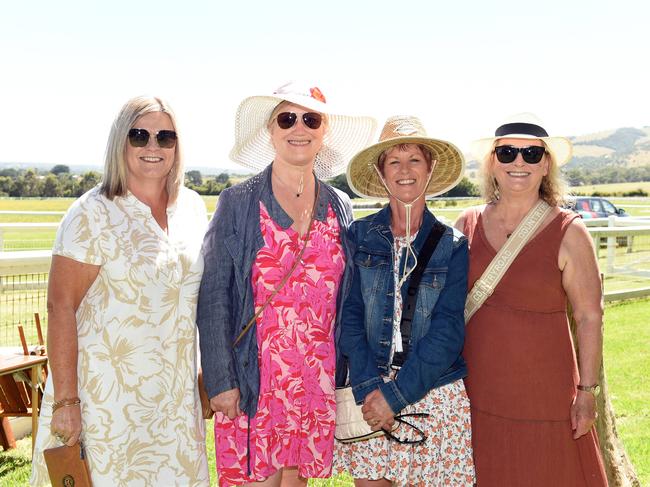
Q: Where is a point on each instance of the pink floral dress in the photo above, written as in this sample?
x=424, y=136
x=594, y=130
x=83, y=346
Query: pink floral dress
x=295, y=419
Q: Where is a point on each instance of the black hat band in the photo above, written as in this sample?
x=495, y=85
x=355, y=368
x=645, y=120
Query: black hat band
x=520, y=128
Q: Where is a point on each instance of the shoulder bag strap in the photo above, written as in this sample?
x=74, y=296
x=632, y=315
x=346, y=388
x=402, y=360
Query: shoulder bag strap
x=287, y=275
x=408, y=308
x=485, y=285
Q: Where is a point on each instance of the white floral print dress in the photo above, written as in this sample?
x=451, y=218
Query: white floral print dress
x=141, y=418
x=445, y=458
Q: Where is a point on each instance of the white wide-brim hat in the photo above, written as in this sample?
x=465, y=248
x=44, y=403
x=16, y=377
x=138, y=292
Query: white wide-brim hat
x=524, y=126
x=345, y=134
x=447, y=173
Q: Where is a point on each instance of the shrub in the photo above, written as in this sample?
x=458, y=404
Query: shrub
x=636, y=192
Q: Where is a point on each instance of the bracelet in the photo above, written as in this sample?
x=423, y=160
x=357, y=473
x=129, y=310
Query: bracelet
x=71, y=401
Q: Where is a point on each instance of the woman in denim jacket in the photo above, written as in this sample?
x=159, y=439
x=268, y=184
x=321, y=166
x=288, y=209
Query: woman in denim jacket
x=391, y=374
x=272, y=384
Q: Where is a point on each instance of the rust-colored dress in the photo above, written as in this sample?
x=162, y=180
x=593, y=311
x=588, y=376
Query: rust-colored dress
x=522, y=370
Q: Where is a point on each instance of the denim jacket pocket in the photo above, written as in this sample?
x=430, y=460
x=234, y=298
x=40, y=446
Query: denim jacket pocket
x=374, y=272
x=432, y=283
x=369, y=260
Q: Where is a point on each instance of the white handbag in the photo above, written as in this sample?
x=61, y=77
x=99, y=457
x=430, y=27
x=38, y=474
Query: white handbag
x=350, y=425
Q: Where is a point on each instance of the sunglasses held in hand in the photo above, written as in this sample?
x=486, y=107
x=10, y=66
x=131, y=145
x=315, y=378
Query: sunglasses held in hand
x=286, y=120
x=508, y=153
x=140, y=138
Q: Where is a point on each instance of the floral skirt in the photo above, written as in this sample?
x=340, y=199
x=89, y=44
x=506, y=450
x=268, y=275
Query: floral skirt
x=445, y=458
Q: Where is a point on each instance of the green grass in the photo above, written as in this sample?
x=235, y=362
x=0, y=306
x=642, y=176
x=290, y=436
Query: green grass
x=615, y=188
x=35, y=204
x=15, y=465
x=627, y=363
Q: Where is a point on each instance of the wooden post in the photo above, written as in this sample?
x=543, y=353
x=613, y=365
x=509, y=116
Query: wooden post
x=23, y=342
x=611, y=246
x=7, y=439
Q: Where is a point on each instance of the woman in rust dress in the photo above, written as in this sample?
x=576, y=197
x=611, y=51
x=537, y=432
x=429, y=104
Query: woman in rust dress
x=533, y=405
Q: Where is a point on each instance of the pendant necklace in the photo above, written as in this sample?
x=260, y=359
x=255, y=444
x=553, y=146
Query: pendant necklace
x=301, y=186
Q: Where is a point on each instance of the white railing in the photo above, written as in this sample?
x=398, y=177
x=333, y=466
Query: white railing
x=24, y=262
x=24, y=227
x=633, y=262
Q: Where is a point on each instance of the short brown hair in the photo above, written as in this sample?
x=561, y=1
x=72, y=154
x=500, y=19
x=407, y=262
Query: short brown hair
x=426, y=152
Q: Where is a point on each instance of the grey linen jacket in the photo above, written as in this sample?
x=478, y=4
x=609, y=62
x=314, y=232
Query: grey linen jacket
x=226, y=301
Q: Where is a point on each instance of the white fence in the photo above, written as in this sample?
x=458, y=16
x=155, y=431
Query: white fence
x=614, y=232
x=622, y=246
x=22, y=228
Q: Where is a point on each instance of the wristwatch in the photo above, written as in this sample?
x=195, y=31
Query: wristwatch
x=595, y=389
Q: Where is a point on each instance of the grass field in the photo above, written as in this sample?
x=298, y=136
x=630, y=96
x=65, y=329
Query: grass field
x=612, y=189
x=627, y=363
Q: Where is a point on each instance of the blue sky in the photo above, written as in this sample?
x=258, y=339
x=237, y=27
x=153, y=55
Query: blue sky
x=68, y=66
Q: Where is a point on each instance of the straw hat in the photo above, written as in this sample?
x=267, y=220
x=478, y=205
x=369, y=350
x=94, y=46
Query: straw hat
x=525, y=126
x=344, y=136
x=448, y=171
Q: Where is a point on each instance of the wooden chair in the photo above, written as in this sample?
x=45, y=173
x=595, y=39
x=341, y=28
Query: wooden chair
x=16, y=389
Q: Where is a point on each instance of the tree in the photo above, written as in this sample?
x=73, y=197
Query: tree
x=27, y=184
x=59, y=169
x=464, y=188
x=10, y=172
x=194, y=177
x=6, y=185
x=88, y=181
x=341, y=182
x=69, y=184
x=52, y=187
x=223, y=178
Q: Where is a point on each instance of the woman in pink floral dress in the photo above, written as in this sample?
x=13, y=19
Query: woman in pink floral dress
x=277, y=256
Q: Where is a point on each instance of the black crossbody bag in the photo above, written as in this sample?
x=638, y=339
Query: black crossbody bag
x=408, y=308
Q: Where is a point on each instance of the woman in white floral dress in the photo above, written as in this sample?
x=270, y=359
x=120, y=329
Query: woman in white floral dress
x=122, y=294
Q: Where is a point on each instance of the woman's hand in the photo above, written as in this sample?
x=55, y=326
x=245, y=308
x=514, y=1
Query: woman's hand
x=227, y=403
x=583, y=413
x=377, y=412
x=581, y=281
x=66, y=424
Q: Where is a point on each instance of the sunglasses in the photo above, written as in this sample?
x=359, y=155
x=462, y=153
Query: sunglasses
x=508, y=153
x=286, y=120
x=140, y=138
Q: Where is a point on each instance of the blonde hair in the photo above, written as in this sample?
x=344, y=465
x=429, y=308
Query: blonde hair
x=553, y=189
x=114, y=182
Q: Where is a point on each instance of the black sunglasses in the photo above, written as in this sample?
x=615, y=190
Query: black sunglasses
x=508, y=153
x=286, y=120
x=140, y=138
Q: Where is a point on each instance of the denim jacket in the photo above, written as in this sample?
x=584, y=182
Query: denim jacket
x=226, y=301
x=438, y=326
